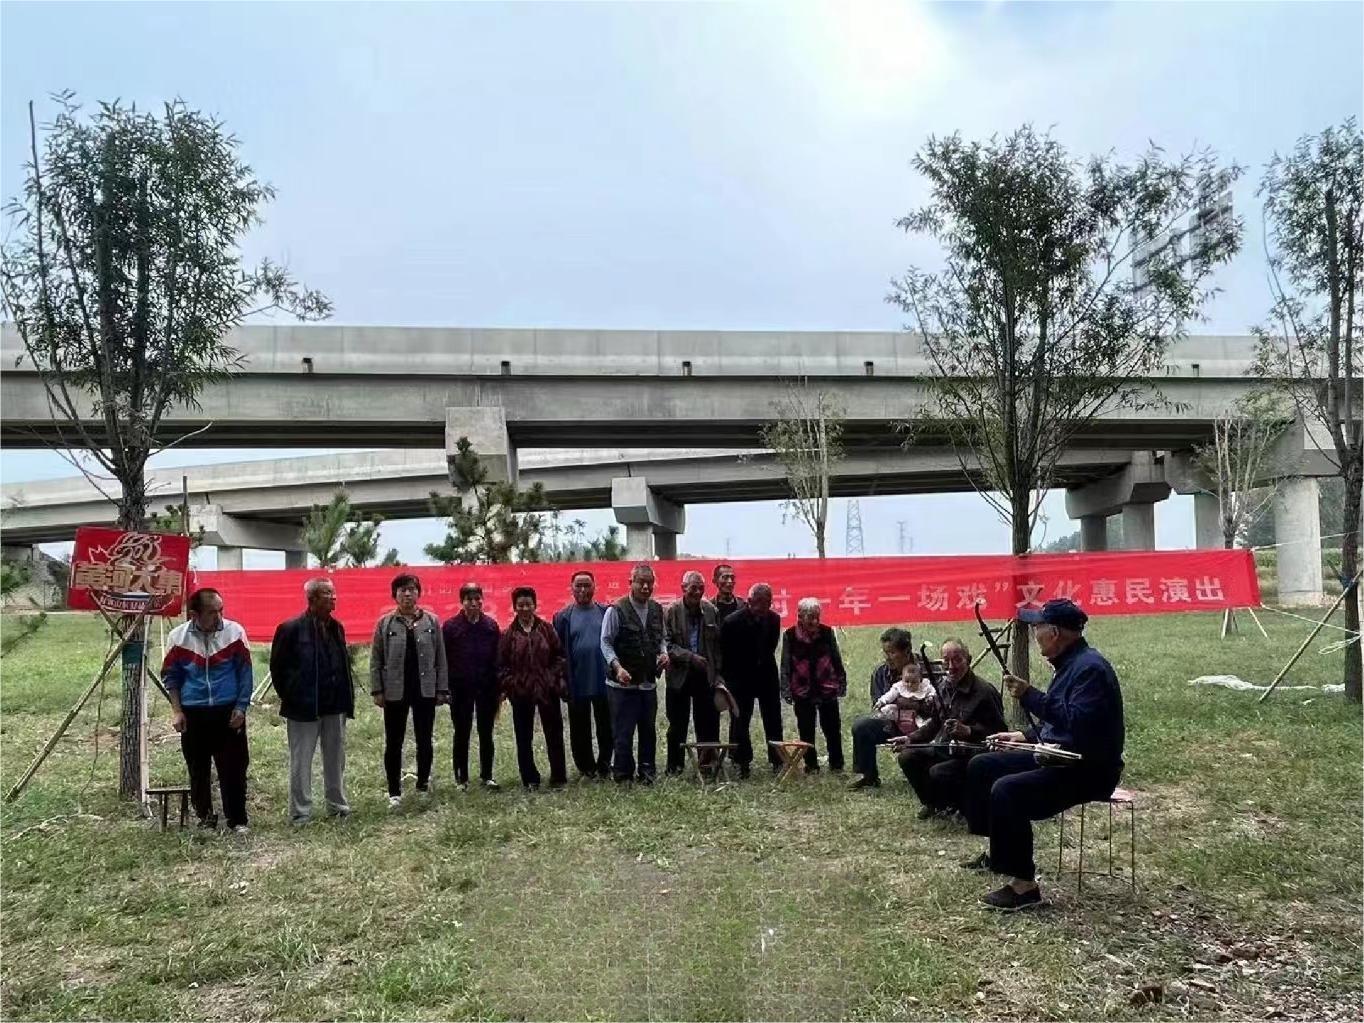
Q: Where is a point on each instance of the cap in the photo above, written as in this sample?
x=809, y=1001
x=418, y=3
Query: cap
x=1065, y=614
x=725, y=702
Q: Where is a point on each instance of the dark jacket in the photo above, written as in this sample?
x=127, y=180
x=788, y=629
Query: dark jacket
x=1082, y=708
x=812, y=671
x=530, y=664
x=974, y=702
x=471, y=655
x=680, y=656
x=748, y=650
x=724, y=610
x=295, y=665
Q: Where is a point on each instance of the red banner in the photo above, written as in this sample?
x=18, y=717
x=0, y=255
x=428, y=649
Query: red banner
x=854, y=591
x=125, y=573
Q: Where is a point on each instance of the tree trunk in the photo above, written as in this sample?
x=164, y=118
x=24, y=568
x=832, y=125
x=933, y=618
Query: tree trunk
x=1349, y=565
x=1019, y=647
x=132, y=515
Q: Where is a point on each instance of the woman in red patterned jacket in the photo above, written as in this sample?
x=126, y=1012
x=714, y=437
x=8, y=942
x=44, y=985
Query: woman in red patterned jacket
x=813, y=681
x=530, y=673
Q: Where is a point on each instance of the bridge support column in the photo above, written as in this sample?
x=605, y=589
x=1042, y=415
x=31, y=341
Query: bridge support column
x=651, y=522
x=295, y=559
x=1207, y=517
x=230, y=559
x=1094, y=533
x=1139, y=527
x=1297, y=529
x=486, y=428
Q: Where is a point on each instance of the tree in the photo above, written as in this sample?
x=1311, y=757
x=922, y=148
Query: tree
x=572, y=543
x=172, y=520
x=807, y=439
x=488, y=522
x=1238, y=457
x=1314, y=208
x=123, y=277
x=339, y=532
x=1037, y=323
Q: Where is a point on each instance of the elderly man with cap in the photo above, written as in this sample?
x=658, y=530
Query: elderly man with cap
x=1081, y=711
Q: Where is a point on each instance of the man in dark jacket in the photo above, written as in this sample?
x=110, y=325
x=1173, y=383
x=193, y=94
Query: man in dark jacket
x=693, y=670
x=748, y=650
x=471, y=640
x=578, y=626
x=970, y=710
x=725, y=602
x=1081, y=711
x=310, y=669
x=635, y=649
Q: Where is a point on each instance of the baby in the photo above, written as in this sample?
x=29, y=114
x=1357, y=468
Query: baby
x=911, y=703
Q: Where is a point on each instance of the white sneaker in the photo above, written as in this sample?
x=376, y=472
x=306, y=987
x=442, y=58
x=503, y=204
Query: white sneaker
x=240, y=829
x=394, y=802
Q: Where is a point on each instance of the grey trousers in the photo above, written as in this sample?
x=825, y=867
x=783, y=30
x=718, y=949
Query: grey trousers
x=303, y=736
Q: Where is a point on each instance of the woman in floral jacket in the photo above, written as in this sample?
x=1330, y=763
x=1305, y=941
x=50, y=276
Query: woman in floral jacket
x=531, y=675
x=813, y=681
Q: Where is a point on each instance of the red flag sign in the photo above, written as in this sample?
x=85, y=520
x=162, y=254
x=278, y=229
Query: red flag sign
x=126, y=573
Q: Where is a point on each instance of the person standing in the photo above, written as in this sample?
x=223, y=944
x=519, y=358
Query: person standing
x=578, y=626
x=748, y=648
x=471, y=641
x=634, y=644
x=530, y=670
x=407, y=674
x=813, y=681
x=311, y=671
x=207, y=675
x=693, y=635
x=726, y=603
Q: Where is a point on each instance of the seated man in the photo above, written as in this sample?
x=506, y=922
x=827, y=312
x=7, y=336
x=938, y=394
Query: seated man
x=1081, y=711
x=870, y=731
x=971, y=709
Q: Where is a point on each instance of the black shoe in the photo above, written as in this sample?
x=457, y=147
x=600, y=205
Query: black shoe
x=927, y=812
x=208, y=823
x=646, y=779
x=836, y=770
x=981, y=862
x=744, y=770
x=674, y=770
x=1007, y=900
x=812, y=770
x=558, y=783
x=531, y=786
x=865, y=782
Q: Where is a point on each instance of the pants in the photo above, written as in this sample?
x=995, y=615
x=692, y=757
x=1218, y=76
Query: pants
x=937, y=777
x=581, y=716
x=692, y=700
x=395, y=731
x=303, y=738
x=1006, y=792
x=523, y=725
x=207, y=740
x=633, y=709
x=462, y=711
x=768, y=698
x=868, y=733
x=829, y=724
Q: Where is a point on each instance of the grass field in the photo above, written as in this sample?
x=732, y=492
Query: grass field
x=808, y=902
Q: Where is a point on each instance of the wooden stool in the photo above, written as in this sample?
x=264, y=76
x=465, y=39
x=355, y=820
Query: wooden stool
x=792, y=753
x=164, y=793
x=721, y=751
x=1120, y=798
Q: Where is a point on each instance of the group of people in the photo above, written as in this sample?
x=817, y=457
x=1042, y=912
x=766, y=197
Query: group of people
x=605, y=662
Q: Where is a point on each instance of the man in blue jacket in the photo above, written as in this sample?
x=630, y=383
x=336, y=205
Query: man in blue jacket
x=207, y=673
x=579, y=628
x=1081, y=711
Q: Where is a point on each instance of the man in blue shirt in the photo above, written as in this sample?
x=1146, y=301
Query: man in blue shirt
x=579, y=628
x=1081, y=711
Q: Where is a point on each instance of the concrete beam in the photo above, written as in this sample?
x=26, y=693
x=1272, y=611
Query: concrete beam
x=1142, y=482
x=1297, y=526
x=486, y=428
x=223, y=530
x=651, y=521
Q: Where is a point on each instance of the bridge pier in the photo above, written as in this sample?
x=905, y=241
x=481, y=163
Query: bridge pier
x=1094, y=532
x=1297, y=528
x=233, y=535
x=1131, y=493
x=651, y=522
x=1139, y=526
x=1207, y=516
x=486, y=428
x=230, y=559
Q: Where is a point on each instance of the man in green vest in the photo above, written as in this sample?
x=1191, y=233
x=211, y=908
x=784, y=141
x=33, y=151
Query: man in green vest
x=636, y=652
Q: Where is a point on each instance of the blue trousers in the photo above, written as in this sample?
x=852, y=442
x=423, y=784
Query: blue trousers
x=633, y=709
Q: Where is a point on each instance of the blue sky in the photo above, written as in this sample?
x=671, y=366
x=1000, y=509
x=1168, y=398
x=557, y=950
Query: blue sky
x=675, y=165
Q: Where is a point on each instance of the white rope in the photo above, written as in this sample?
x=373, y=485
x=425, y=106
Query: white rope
x=1286, y=543
x=1312, y=621
x=1340, y=644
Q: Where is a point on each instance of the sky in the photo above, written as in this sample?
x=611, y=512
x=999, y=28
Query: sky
x=673, y=166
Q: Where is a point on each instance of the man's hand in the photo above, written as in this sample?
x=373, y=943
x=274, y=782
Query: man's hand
x=1016, y=686
x=623, y=676
x=662, y=662
x=237, y=720
x=378, y=699
x=960, y=731
x=178, y=720
x=1006, y=737
x=898, y=742
x=442, y=699
x=700, y=662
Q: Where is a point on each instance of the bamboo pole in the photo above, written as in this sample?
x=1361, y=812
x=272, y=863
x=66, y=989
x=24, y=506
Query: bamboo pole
x=1310, y=636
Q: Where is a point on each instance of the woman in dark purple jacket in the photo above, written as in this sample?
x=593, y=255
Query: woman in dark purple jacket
x=471, y=639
